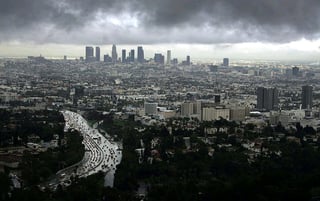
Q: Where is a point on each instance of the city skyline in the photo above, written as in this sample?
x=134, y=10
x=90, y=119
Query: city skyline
x=244, y=29
x=199, y=53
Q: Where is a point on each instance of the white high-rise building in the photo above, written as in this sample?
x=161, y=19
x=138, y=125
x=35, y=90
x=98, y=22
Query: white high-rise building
x=168, y=57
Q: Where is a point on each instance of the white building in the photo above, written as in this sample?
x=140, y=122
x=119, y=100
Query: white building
x=187, y=109
x=212, y=113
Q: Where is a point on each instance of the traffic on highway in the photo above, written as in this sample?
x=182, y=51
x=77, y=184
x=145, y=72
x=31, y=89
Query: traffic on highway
x=100, y=154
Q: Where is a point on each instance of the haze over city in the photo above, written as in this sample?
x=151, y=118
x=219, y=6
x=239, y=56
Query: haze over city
x=208, y=30
x=184, y=100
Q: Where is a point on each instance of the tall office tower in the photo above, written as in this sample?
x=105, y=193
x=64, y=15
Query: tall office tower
x=225, y=62
x=295, y=71
x=140, y=55
x=114, y=54
x=124, y=56
x=158, y=58
x=267, y=98
x=168, y=57
x=188, y=62
x=306, y=97
x=131, y=56
x=98, y=53
x=260, y=95
x=89, y=54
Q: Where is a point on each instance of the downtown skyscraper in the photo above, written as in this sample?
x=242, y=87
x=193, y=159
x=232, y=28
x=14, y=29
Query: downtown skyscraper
x=158, y=58
x=140, y=58
x=124, y=56
x=168, y=57
x=89, y=54
x=131, y=56
x=225, y=62
x=114, y=54
x=97, y=53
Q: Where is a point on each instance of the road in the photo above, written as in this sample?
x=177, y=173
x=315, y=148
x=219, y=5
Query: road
x=101, y=154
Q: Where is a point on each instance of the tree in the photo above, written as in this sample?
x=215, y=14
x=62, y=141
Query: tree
x=309, y=130
x=4, y=186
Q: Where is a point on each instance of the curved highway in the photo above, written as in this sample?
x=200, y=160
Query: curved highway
x=100, y=155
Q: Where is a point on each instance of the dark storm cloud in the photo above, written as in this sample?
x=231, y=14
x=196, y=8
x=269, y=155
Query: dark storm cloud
x=279, y=19
x=188, y=21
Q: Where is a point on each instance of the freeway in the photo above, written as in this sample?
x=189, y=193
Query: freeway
x=101, y=153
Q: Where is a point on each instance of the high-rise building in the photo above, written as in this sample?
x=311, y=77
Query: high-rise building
x=188, y=61
x=306, y=97
x=158, y=58
x=124, y=56
x=225, y=62
x=295, y=71
x=131, y=56
x=89, y=54
x=168, y=57
x=114, y=54
x=260, y=95
x=98, y=53
x=267, y=98
x=140, y=55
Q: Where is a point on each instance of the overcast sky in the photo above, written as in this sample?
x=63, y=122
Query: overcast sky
x=248, y=29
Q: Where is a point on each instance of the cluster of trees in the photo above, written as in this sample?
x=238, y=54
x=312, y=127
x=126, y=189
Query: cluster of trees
x=15, y=127
x=293, y=175
x=36, y=168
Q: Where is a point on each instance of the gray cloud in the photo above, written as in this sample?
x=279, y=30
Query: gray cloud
x=163, y=21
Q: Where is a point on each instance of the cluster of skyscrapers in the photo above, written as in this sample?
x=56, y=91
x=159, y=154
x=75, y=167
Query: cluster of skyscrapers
x=90, y=54
x=130, y=58
x=114, y=55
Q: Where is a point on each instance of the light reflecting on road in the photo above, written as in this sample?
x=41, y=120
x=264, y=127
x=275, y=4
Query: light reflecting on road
x=101, y=154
